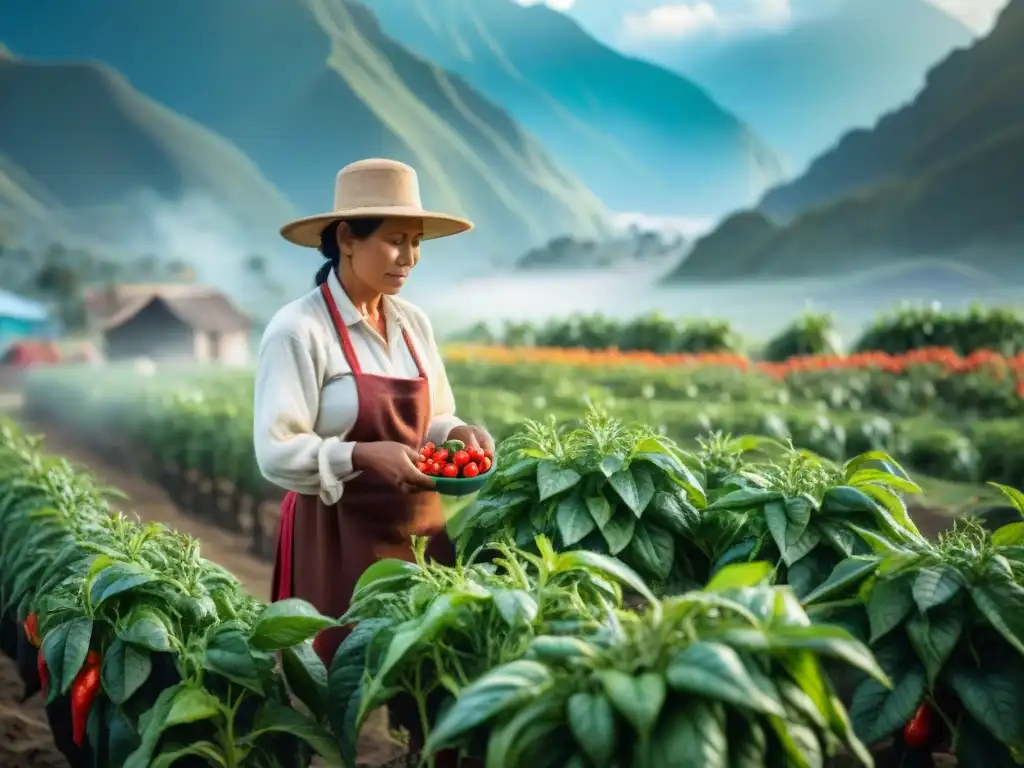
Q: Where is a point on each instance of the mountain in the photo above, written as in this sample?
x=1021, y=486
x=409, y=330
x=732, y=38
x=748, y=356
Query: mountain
x=643, y=138
x=839, y=65
x=303, y=88
x=79, y=145
x=943, y=176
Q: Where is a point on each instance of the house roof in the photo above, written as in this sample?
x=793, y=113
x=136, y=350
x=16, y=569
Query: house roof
x=209, y=311
x=18, y=307
x=103, y=302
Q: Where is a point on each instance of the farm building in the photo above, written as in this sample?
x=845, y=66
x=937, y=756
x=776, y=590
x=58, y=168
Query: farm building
x=21, y=318
x=197, y=325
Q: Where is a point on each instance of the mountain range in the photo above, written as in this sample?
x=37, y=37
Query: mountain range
x=941, y=177
x=301, y=89
x=642, y=137
x=830, y=66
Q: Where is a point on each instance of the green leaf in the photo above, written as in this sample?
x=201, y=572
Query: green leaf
x=517, y=608
x=740, y=575
x=287, y=623
x=606, y=566
x=846, y=575
x=151, y=727
x=125, y=669
x=787, y=520
x=639, y=699
x=553, y=479
x=745, y=498
x=748, y=747
x=388, y=568
x=715, y=671
x=306, y=676
x=495, y=692
x=345, y=686
x=618, y=532
x=891, y=601
x=691, y=734
x=625, y=486
x=878, y=712
x=995, y=698
x=803, y=547
x=117, y=579
x=171, y=754
x=592, y=722
x=934, y=637
x=1010, y=535
x=1016, y=497
x=191, y=705
x=228, y=653
x=147, y=629
x=574, y=520
x=652, y=550
x=277, y=718
x=65, y=648
x=560, y=648
x=645, y=487
x=936, y=585
x=843, y=500
x=1000, y=602
x=600, y=510
x=671, y=513
x=876, y=476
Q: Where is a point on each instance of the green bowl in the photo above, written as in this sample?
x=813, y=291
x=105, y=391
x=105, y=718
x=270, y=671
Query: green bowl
x=460, y=486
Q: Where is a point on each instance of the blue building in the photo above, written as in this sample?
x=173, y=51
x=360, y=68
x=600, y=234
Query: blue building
x=21, y=318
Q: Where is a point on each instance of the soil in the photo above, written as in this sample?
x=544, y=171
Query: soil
x=25, y=740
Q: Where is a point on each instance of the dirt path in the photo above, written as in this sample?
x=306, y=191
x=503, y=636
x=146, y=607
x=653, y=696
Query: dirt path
x=152, y=504
x=25, y=740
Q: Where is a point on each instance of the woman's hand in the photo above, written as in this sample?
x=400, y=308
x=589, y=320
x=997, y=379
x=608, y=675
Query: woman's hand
x=393, y=463
x=473, y=437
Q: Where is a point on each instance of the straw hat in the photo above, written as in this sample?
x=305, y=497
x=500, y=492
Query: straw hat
x=375, y=189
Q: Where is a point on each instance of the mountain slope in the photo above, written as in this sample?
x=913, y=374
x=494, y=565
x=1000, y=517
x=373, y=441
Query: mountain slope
x=643, y=138
x=307, y=87
x=942, y=176
x=52, y=165
x=802, y=89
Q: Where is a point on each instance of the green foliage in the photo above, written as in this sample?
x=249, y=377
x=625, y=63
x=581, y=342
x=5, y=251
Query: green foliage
x=977, y=328
x=813, y=333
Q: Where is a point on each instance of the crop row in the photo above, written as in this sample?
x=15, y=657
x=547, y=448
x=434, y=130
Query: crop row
x=618, y=601
x=812, y=333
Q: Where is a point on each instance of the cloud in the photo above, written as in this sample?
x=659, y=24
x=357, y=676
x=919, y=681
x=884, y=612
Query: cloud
x=680, y=20
x=979, y=15
x=557, y=5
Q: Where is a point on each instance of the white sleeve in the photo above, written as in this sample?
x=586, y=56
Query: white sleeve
x=287, y=400
x=443, y=419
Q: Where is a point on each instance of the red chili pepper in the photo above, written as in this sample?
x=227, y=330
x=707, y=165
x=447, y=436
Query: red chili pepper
x=32, y=629
x=918, y=731
x=44, y=672
x=83, y=694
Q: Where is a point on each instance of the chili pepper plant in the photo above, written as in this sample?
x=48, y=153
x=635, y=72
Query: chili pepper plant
x=605, y=487
x=425, y=631
x=803, y=513
x=945, y=622
x=158, y=652
x=730, y=675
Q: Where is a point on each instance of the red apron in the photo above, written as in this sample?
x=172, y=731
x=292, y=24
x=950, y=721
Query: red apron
x=323, y=549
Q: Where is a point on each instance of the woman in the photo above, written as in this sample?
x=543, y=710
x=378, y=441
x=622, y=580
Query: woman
x=350, y=384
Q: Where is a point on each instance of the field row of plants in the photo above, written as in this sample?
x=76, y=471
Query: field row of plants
x=813, y=333
x=147, y=654
x=617, y=602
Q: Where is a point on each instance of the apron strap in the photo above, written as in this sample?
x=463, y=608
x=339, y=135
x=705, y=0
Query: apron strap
x=346, y=341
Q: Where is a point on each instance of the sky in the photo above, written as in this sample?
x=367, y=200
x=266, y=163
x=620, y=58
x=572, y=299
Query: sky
x=643, y=18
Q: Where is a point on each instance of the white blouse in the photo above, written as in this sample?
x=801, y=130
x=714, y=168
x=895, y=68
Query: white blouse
x=306, y=402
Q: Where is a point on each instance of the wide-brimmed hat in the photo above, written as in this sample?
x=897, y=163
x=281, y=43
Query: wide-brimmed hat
x=371, y=189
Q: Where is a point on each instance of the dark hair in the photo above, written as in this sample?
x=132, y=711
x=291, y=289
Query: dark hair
x=360, y=228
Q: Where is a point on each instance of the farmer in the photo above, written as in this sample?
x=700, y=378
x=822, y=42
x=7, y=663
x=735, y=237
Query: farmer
x=350, y=385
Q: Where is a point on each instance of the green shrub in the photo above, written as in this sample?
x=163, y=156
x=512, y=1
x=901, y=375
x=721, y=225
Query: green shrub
x=977, y=328
x=813, y=333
